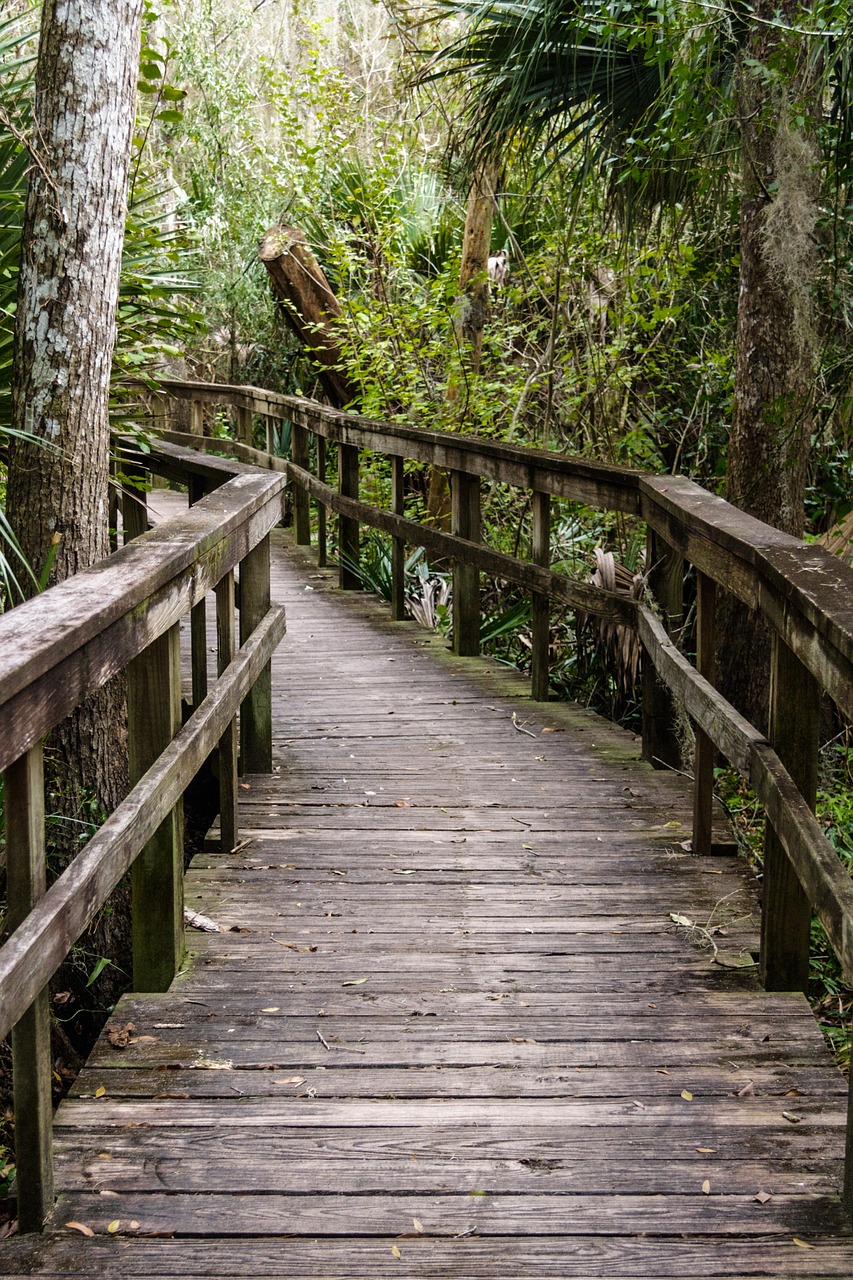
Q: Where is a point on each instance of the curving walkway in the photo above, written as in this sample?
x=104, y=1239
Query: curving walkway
x=465, y=1021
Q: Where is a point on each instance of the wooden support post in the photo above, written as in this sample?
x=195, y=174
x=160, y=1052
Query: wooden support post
x=786, y=910
x=348, y=529
x=269, y=423
x=301, y=508
x=398, y=545
x=256, y=709
x=244, y=425
x=541, y=604
x=704, y=750
x=465, y=523
x=160, y=412
x=228, y=793
x=198, y=619
x=32, y=1062
x=134, y=502
x=847, y=1191
x=322, y=549
x=157, y=882
x=665, y=576
x=196, y=418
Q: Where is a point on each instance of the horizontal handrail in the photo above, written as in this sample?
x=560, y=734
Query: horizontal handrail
x=60, y=648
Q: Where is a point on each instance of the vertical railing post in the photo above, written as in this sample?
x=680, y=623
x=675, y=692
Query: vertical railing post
x=541, y=620
x=465, y=523
x=348, y=529
x=134, y=502
x=157, y=902
x=398, y=545
x=32, y=1062
x=847, y=1191
x=794, y=734
x=703, y=752
x=228, y=815
x=198, y=619
x=244, y=425
x=322, y=549
x=196, y=418
x=301, y=507
x=665, y=578
x=256, y=709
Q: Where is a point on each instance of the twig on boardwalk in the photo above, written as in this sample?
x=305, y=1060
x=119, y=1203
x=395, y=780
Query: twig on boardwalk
x=323, y=1041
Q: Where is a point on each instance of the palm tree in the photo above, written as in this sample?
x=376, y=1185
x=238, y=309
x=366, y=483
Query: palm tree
x=634, y=87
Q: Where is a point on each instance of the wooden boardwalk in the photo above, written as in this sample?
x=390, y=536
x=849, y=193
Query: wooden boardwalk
x=466, y=1021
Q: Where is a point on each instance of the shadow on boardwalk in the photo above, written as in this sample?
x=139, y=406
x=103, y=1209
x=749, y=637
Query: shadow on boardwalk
x=453, y=1028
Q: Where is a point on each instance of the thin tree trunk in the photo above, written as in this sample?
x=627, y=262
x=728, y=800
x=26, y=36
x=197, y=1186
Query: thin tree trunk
x=776, y=345
x=472, y=311
x=57, y=498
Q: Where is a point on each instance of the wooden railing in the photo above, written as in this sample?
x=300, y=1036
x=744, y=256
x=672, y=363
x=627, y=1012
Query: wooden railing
x=805, y=594
x=57, y=650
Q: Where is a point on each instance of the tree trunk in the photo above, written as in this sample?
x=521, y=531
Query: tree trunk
x=57, y=498
x=472, y=312
x=776, y=342
x=311, y=307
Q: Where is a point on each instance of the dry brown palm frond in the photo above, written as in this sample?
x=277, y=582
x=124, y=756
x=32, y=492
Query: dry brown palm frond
x=617, y=647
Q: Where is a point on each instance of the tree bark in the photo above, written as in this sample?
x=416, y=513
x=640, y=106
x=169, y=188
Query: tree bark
x=57, y=499
x=775, y=352
x=311, y=307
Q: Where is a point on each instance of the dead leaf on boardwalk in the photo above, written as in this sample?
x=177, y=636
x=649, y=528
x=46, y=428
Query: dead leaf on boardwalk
x=402, y=804
x=100, y=1091
x=763, y=1196
x=802, y=1244
x=354, y=982
x=398, y=872
x=271, y=1008
x=707, y=1151
x=292, y=946
x=706, y=1188
x=735, y=960
x=792, y=1117
x=113, y=1226
x=419, y=1226
x=195, y=920
x=747, y=1091
x=684, y=921
x=81, y=1227
x=120, y=1037
x=687, y=1095
x=294, y=1080
x=521, y=1040
x=395, y=1252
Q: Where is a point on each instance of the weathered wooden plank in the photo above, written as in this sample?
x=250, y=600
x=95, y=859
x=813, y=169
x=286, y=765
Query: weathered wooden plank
x=89, y=627
x=39, y=946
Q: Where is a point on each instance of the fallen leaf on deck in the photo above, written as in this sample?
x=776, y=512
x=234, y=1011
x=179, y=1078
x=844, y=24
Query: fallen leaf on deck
x=706, y=1188
x=354, y=982
x=100, y=1091
x=479, y=1193
x=747, y=1090
x=133, y=1226
x=395, y=1252
x=641, y=1106
x=113, y=1226
x=272, y=1008
x=419, y=1226
x=211, y=1064
x=801, y=1243
x=763, y=1196
x=792, y=1117
x=687, y=1095
x=735, y=960
x=521, y=1040
x=295, y=1080
x=119, y=1037
x=707, y=1151
x=398, y=872
x=684, y=921
x=196, y=920
x=81, y=1227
